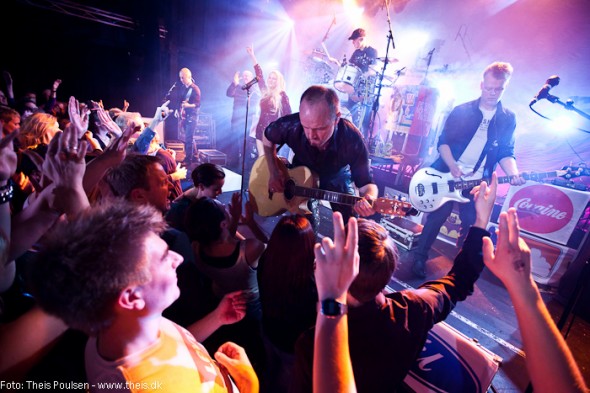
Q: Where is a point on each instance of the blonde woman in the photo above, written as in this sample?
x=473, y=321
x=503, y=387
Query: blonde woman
x=39, y=128
x=274, y=102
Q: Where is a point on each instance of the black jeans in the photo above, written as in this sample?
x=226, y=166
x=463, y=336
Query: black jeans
x=436, y=219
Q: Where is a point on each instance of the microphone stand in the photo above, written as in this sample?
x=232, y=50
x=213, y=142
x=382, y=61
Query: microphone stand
x=245, y=138
x=569, y=105
x=375, y=107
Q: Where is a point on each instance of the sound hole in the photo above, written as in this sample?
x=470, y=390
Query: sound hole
x=289, y=189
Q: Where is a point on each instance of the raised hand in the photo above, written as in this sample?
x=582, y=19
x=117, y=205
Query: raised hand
x=484, y=198
x=78, y=116
x=232, y=307
x=337, y=262
x=107, y=123
x=511, y=262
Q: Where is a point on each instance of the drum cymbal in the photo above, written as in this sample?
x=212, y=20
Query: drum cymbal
x=389, y=59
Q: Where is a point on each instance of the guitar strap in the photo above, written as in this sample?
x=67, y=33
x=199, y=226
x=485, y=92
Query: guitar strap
x=484, y=152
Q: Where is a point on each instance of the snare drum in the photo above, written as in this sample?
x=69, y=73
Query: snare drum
x=347, y=78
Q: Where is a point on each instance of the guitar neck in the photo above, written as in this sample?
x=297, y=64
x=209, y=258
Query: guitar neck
x=469, y=184
x=330, y=196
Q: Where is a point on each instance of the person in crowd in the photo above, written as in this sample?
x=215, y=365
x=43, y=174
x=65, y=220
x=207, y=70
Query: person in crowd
x=103, y=128
x=549, y=361
x=27, y=334
x=37, y=129
x=330, y=146
x=274, y=102
x=477, y=135
x=388, y=332
x=185, y=98
x=287, y=294
x=9, y=120
x=230, y=263
x=175, y=171
x=109, y=274
x=234, y=142
x=337, y=265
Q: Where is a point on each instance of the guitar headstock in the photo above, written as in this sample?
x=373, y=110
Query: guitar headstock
x=394, y=207
x=570, y=172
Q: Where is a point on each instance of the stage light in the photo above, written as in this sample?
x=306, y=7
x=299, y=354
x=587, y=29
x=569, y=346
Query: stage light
x=563, y=123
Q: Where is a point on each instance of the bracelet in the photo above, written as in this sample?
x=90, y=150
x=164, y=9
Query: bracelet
x=6, y=193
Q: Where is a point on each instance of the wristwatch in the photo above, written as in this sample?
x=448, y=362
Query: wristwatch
x=332, y=308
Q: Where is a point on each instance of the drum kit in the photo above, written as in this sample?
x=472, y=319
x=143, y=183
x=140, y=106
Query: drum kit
x=348, y=79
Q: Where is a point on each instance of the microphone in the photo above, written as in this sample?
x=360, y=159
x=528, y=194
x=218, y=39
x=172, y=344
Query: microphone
x=167, y=96
x=400, y=71
x=550, y=83
x=250, y=84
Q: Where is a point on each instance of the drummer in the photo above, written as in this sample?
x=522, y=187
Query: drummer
x=363, y=55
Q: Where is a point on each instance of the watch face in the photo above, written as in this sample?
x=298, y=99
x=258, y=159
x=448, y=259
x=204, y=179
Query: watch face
x=332, y=308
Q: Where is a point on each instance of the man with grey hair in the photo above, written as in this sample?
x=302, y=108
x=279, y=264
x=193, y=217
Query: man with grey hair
x=330, y=146
x=476, y=137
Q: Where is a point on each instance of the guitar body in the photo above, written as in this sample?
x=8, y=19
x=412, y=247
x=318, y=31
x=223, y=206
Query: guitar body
x=430, y=189
x=267, y=206
x=300, y=186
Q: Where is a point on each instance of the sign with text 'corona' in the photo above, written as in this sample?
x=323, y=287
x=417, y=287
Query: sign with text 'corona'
x=547, y=211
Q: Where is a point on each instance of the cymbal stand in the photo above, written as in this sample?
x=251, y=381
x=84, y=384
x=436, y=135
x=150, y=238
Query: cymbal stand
x=375, y=107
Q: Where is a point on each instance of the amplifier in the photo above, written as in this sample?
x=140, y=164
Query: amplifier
x=212, y=156
x=403, y=231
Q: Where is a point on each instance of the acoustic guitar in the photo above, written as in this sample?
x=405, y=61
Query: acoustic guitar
x=430, y=189
x=302, y=185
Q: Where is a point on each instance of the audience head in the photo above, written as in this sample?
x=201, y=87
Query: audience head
x=134, y=119
x=91, y=264
x=36, y=129
x=288, y=258
x=141, y=179
x=10, y=120
x=205, y=220
x=208, y=179
x=378, y=259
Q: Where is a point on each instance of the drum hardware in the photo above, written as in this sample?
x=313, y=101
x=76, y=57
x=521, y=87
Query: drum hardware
x=347, y=78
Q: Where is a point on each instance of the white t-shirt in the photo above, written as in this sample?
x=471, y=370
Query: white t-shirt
x=471, y=154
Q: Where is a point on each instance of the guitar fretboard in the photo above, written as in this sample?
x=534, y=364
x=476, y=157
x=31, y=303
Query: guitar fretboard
x=329, y=196
x=469, y=184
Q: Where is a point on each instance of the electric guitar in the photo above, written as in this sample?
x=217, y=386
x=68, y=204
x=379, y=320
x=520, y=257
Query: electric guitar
x=301, y=186
x=430, y=189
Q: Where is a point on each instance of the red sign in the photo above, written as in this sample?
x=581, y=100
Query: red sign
x=542, y=209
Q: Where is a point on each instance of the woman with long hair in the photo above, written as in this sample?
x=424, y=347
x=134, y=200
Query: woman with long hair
x=274, y=102
x=288, y=296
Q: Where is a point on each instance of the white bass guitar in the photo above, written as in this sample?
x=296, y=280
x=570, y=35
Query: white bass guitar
x=430, y=189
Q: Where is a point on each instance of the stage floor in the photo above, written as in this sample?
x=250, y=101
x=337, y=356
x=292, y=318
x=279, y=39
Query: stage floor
x=487, y=315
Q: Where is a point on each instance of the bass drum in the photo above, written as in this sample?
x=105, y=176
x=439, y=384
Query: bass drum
x=347, y=79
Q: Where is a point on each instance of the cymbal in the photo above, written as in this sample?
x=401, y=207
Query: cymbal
x=389, y=60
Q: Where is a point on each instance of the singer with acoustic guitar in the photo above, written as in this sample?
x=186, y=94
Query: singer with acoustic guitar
x=185, y=99
x=328, y=145
x=476, y=137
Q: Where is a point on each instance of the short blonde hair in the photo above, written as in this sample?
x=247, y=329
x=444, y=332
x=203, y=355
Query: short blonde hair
x=499, y=70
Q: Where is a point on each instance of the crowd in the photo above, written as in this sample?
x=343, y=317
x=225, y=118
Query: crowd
x=111, y=273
